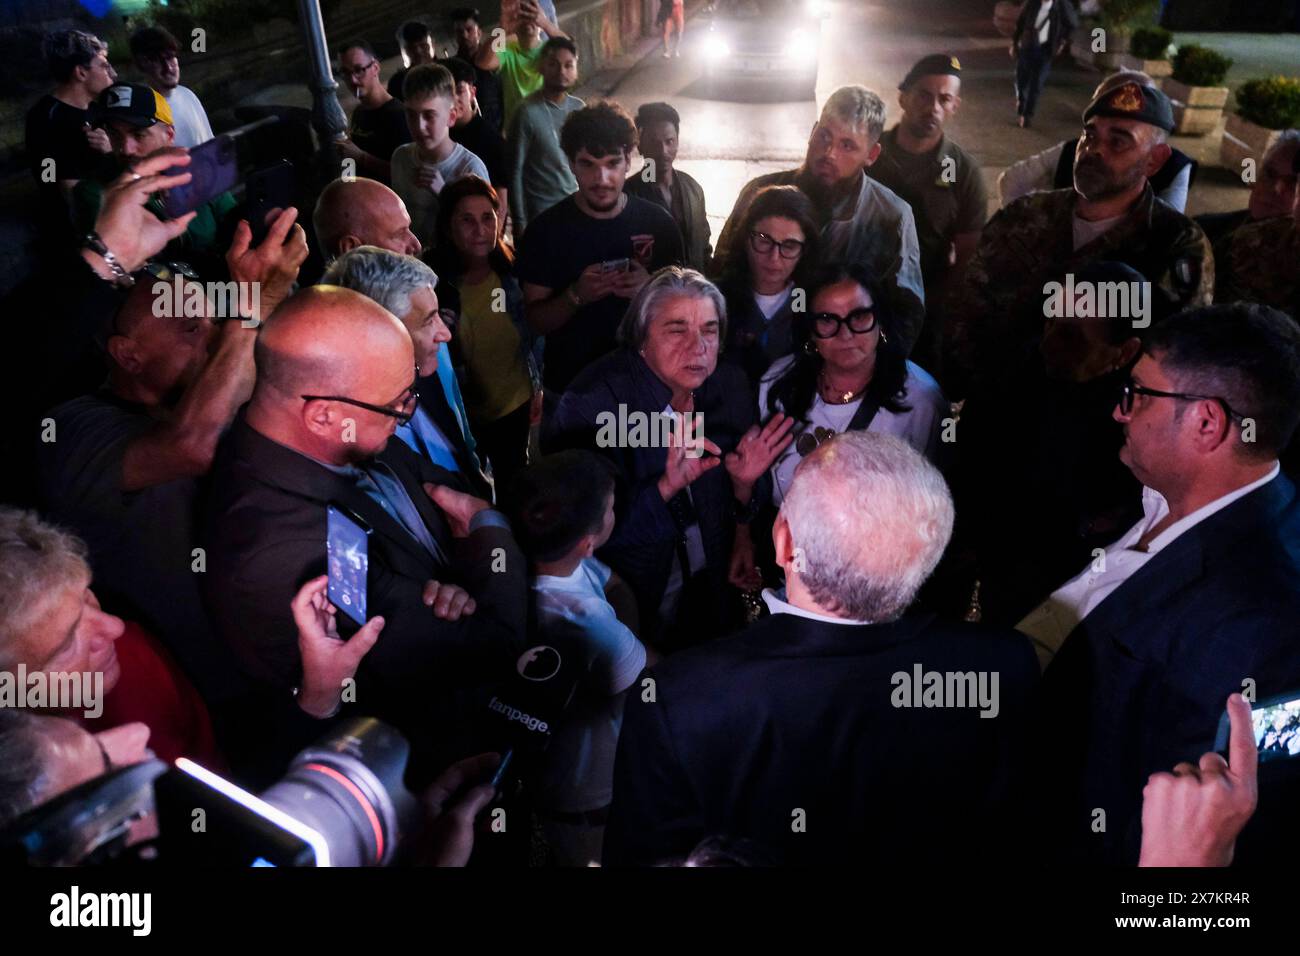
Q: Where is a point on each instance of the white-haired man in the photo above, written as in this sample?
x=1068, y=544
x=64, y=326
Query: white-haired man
x=840, y=728
x=862, y=221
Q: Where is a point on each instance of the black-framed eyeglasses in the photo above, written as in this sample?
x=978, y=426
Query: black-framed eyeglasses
x=762, y=243
x=358, y=70
x=163, y=272
x=1130, y=388
x=826, y=325
x=404, y=412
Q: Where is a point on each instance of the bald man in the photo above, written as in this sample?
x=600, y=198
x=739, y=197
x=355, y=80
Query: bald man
x=335, y=377
x=363, y=212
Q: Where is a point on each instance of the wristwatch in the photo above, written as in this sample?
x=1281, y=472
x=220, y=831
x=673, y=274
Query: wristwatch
x=120, y=275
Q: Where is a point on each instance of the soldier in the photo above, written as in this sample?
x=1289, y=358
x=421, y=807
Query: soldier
x=941, y=183
x=861, y=220
x=1260, y=261
x=1111, y=213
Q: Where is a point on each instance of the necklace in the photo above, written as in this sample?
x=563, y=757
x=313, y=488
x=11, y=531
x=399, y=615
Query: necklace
x=835, y=396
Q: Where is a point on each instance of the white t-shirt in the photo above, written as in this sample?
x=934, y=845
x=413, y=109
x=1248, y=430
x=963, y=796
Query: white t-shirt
x=421, y=202
x=189, y=116
x=770, y=304
x=1086, y=230
x=579, y=773
x=920, y=426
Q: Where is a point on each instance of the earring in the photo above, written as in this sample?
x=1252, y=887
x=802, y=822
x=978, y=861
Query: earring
x=809, y=348
x=884, y=339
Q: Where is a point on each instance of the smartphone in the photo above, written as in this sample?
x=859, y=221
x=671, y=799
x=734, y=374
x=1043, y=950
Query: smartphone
x=272, y=188
x=615, y=265
x=347, y=552
x=1276, y=723
x=214, y=169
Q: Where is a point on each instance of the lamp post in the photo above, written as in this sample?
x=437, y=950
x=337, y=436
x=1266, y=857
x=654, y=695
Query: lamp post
x=327, y=115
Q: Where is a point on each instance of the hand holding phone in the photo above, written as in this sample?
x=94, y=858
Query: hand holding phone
x=347, y=551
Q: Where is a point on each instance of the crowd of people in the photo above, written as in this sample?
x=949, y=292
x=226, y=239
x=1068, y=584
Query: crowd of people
x=877, y=528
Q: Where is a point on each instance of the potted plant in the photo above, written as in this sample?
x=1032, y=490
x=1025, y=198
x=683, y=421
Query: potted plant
x=1196, y=89
x=1148, y=51
x=1119, y=18
x=1265, y=107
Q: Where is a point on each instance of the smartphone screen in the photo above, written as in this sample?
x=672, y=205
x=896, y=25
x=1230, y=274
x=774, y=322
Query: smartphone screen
x=348, y=557
x=214, y=169
x=615, y=265
x=1276, y=724
x=267, y=189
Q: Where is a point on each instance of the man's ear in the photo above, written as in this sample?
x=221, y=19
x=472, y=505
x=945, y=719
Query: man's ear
x=1213, y=425
x=349, y=242
x=124, y=354
x=783, y=543
x=1160, y=154
x=1129, y=349
x=321, y=418
x=873, y=154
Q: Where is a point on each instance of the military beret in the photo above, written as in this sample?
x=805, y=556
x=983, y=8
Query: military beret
x=1146, y=104
x=936, y=64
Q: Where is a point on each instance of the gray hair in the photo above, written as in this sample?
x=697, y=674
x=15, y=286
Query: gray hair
x=871, y=518
x=1286, y=139
x=24, y=775
x=860, y=108
x=389, y=278
x=669, y=282
x=37, y=561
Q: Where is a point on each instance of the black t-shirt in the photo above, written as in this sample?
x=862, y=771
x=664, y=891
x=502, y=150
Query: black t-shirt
x=57, y=131
x=563, y=241
x=488, y=93
x=395, y=83
x=380, y=131
x=481, y=140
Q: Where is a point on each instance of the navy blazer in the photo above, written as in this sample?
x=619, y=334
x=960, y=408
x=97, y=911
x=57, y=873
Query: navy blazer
x=1141, y=683
x=646, y=533
x=732, y=738
x=434, y=402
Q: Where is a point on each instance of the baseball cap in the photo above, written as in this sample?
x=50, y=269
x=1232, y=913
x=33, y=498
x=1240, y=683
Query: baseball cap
x=133, y=103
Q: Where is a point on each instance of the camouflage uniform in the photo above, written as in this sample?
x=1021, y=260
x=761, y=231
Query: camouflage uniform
x=998, y=308
x=1260, y=262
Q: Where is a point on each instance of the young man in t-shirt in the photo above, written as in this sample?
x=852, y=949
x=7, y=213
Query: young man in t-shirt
x=417, y=48
x=468, y=31
x=154, y=51
x=378, y=124
x=539, y=173
x=433, y=159
x=62, y=146
x=473, y=132
x=562, y=510
x=517, y=63
x=584, y=259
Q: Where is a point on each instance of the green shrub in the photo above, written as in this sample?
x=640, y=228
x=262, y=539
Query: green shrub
x=1150, y=43
x=1200, y=66
x=1124, y=15
x=1273, y=103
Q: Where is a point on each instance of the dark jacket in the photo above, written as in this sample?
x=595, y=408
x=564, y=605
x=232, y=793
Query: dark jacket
x=754, y=342
x=1141, y=683
x=266, y=533
x=789, y=735
x=1064, y=20
x=647, y=530
x=695, y=226
x=434, y=401
x=1063, y=178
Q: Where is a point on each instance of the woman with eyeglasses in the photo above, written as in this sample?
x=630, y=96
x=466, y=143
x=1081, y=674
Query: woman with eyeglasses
x=495, y=353
x=761, y=276
x=848, y=373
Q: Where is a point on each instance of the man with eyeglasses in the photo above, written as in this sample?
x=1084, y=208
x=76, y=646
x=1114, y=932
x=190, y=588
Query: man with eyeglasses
x=1200, y=598
x=378, y=123
x=155, y=52
x=336, y=378
x=861, y=220
x=125, y=469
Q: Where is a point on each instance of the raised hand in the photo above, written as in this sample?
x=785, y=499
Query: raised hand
x=459, y=507
x=274, y=263
x=684, y=458
x=756, y=452
x=130, y=231
x=327, y=660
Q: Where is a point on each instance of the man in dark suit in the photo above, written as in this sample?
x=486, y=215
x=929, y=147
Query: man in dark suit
x=1200, y=599
x=334, y=380
x=840, y=729
x=405, y=286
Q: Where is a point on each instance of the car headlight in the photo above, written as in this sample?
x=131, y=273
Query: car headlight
x=717, y=46
x=817, y=8
x=799, y=44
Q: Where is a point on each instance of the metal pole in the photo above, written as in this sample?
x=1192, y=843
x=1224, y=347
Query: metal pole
x=327, y=115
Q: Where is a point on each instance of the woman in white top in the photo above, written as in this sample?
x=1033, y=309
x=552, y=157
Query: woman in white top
x=848, y=372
